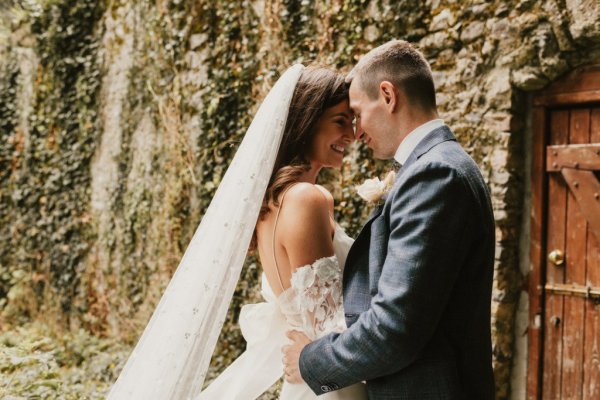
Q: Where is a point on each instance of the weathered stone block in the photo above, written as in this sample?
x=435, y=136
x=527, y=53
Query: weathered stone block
x=584, y=18
x=444, y=20
x=472, y=32
x=529, y=78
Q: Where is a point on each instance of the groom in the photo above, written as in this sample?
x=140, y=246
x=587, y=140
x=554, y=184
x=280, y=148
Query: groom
x=418, y=279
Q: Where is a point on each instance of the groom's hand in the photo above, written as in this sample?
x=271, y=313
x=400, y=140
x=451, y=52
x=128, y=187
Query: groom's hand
x=291, y=356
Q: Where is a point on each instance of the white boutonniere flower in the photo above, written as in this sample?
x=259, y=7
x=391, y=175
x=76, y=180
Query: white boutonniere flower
x=373, y=190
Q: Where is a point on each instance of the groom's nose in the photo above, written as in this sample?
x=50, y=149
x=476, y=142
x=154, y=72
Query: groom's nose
x=359, y=132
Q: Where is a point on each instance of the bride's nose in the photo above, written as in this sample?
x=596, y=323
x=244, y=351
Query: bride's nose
x=349, y=135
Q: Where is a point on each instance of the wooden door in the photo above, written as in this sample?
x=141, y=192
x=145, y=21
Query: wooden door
x=564, y=347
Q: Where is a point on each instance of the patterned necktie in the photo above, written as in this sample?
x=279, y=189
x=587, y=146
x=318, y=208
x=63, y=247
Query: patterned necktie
x=396, y=166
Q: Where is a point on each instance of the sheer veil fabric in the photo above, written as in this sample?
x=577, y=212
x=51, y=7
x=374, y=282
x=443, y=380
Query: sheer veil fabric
x=172, y=356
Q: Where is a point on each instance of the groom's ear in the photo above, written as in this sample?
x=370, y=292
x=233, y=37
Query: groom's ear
x=389, y=95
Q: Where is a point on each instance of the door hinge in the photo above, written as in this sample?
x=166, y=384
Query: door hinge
x=587, y=292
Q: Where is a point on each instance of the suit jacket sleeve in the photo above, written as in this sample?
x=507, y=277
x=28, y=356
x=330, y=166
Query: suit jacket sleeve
x=428, y=216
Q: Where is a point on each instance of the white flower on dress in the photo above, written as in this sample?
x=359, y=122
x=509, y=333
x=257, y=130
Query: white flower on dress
x=303, y=277
x=372, y=190
x=326, y=270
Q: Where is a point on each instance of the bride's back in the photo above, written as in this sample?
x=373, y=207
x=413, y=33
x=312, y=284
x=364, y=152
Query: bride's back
x=295, y=233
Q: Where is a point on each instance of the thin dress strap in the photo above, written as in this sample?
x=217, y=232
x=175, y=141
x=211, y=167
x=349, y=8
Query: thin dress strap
x=274, y=229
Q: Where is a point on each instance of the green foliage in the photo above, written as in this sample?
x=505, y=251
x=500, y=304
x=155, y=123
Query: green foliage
x=49, y=182
x=9, y=147
x=299, y=28
x=227, y=94
x=150, y=91
x=34, y=363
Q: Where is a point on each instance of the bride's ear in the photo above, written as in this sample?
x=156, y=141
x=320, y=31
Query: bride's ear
x=389, y=94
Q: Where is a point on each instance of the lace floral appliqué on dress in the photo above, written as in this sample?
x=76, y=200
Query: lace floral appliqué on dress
x=313, y=303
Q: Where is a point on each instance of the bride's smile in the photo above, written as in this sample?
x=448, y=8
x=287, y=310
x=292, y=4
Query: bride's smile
x=333, y=134
x=338, y=148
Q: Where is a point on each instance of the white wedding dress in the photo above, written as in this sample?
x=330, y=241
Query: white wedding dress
x=312, y=305
x=171, y=358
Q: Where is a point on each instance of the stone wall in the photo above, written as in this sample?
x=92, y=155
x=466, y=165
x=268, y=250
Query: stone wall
x=119, y=118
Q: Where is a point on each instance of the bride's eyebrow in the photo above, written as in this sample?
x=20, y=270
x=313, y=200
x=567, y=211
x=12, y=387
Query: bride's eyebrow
x=342, y=114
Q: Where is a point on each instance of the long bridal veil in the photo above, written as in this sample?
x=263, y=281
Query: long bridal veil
x=172, y=356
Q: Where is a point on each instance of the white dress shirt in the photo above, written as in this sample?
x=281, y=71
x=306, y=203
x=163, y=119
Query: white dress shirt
x=411, y=140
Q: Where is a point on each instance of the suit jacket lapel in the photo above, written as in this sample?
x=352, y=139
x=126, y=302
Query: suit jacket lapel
x=364, y=230
x=374, y=214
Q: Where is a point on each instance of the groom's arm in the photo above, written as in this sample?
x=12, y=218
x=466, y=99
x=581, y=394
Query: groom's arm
x=429, y=214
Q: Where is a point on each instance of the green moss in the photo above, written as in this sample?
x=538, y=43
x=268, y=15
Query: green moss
x=36, y=363
x=11, y=144
x=50, y=195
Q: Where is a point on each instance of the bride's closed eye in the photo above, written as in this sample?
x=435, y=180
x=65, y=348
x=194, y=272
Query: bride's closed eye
x=342, y=121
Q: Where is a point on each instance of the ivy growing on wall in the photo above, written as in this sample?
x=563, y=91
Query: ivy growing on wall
x=50, y=200
x=49, y=194
x=9, y=147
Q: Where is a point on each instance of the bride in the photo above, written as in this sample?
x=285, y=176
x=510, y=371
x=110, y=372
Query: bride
x=268, y=196
x=301, y=248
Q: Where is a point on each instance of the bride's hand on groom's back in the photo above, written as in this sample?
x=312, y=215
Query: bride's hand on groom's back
x=291, y=356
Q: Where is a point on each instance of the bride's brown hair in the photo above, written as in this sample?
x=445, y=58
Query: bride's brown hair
x=318, y=89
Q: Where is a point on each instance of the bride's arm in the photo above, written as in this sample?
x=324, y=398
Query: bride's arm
x=304, y=228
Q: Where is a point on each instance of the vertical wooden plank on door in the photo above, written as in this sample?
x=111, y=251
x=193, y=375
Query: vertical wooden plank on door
x=591, y=363
x=535, y=279
x=576, y=245
x=556, y=217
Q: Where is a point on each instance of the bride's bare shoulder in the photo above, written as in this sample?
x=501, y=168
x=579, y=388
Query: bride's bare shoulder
x=305, y=202
x=305, y=193
x=305, y=227
x=327, y=195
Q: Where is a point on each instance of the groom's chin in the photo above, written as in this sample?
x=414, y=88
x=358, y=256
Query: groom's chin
x=380, y=156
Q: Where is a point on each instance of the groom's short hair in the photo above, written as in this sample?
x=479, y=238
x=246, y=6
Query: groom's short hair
x=401, y=64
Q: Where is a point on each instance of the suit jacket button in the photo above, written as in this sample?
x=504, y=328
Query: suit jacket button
x=326, y=388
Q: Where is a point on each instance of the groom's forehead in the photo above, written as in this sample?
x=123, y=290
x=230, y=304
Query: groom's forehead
x=356, y=93
x=355, y=89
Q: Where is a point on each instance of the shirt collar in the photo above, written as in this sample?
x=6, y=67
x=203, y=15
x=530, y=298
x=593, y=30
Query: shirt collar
x=411, y=140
